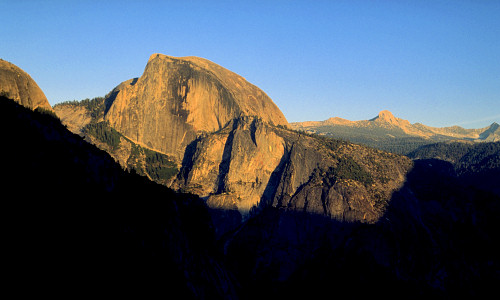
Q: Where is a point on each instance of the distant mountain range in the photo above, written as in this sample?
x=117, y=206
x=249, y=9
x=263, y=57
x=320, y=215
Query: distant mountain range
x=390, y=133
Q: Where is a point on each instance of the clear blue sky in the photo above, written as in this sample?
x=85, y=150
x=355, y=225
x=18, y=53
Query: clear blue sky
x=434, y=62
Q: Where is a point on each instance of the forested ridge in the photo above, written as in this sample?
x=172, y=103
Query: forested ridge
x=462, y=153
x=476, y=164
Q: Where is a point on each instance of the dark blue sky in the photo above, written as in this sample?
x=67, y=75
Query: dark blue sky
x=433, y=62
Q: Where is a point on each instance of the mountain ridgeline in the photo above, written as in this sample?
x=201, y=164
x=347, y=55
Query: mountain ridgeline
x=245, y=206
x=389, y=133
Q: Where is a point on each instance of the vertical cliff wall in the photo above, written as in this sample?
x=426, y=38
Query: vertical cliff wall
x=177, y=99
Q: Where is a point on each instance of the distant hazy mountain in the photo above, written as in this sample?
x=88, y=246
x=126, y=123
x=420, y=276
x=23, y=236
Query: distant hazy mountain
x=390, y=133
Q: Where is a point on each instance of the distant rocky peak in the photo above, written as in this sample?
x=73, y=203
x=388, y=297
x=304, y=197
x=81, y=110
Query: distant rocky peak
x=491, y=134
x=386, y=116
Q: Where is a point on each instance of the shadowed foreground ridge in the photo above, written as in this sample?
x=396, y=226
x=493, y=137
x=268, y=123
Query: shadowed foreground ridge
x=78, y=224
x=437, y=239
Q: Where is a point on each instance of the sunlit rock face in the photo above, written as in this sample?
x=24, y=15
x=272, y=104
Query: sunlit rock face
x=17, y=85
x=177, y=99
x=238, y=161
x=253, y=163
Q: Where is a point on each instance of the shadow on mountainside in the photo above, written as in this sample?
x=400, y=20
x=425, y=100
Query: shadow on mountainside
x=226, y=159
x=436, y=239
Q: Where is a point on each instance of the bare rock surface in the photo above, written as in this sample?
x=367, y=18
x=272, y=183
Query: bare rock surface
x=17, y=85
x=260, y=164
x=73, y=116
x=176, y=99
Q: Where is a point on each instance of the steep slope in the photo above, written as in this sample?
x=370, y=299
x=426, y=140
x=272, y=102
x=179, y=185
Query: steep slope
x=17, y=85
x=177, y=99
x=98, y=229
x=492, y=134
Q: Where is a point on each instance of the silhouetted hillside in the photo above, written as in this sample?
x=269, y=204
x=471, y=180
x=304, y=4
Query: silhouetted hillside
x=437, y=239
x=77, y=224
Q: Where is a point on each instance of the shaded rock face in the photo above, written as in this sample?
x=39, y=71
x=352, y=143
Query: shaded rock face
x=492, y=134
x=436, y=240
x=176, y=99
x=17, y=85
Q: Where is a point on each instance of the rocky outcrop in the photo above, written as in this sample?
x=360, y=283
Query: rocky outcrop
x=73, y=116
x=177, y=99
x=492, y=134
x=238, y=160
x=17, y=85
x=351, y=183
